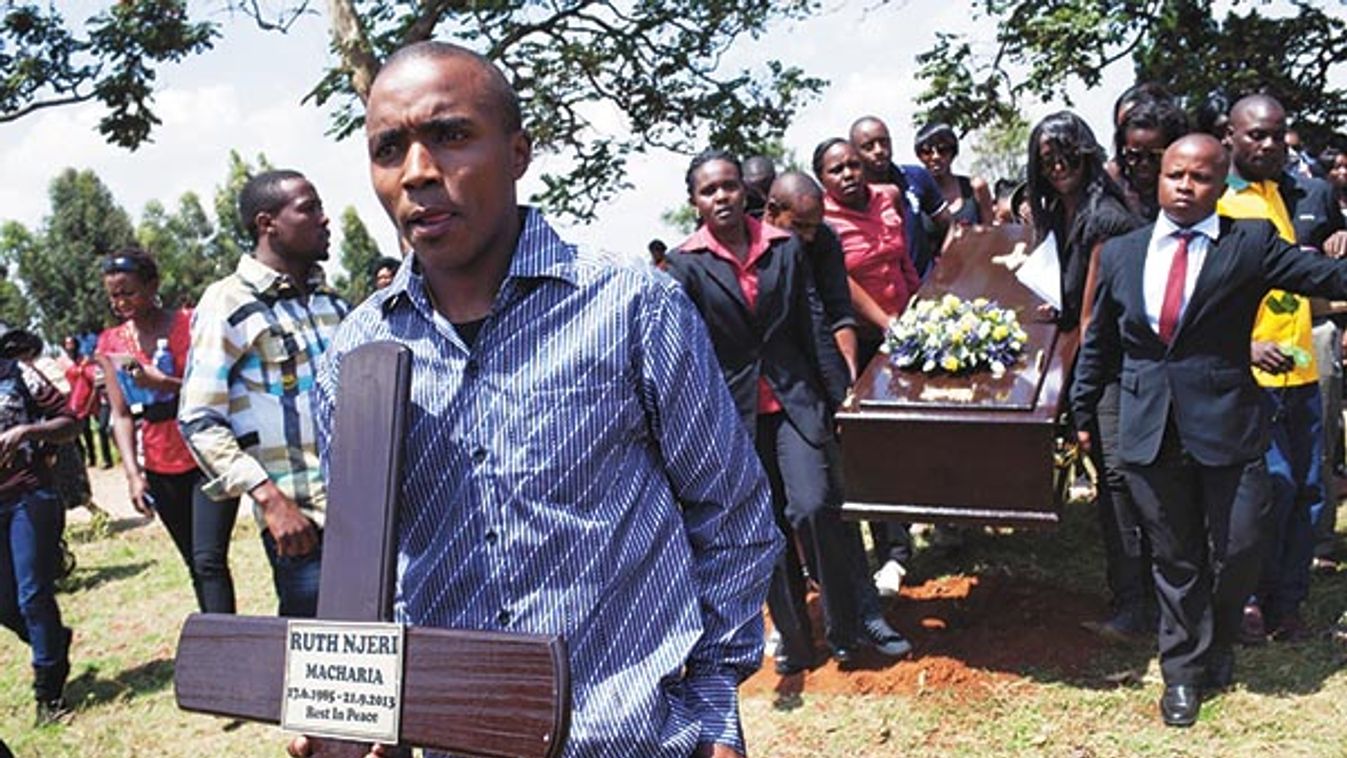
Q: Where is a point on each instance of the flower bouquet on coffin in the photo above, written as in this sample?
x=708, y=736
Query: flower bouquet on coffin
x=955, y=336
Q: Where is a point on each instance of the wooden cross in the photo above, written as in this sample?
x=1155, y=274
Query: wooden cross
x=474, y=693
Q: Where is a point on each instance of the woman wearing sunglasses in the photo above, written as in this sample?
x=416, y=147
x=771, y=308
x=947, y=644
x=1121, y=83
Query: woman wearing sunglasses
x=162, y=477
x=969, y=199
x=1140, y=140
x=1072, y=197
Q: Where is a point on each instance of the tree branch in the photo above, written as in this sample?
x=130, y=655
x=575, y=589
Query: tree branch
x=39, y=105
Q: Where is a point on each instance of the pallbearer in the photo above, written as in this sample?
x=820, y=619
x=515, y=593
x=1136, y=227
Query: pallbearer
x=1175, y=305
x=755, y=290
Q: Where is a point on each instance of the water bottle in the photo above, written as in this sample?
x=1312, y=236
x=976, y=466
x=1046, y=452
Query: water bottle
x=136, y=396
x=163, y=361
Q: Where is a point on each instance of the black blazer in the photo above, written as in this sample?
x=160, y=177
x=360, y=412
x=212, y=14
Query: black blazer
x=1202, y=377
x=785, y=338
x=1313, y=209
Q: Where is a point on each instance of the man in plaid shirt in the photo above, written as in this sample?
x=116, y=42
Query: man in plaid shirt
x=246, y=402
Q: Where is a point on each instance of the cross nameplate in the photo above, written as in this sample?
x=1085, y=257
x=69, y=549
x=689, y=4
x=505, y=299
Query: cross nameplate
x=468, y=692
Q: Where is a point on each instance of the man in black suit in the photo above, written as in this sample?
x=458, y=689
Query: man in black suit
x=795, y=203
x=1173, y=313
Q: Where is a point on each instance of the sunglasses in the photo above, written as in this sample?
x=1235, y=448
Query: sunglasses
x=125, y=264
x=1134, y=157
x=943, y=148
x=1063, y=161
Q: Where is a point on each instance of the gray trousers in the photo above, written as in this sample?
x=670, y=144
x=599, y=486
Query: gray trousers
x=1328, y=355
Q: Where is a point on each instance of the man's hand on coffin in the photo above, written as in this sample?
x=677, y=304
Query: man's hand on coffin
x=1046, y=312
x=1083, y=440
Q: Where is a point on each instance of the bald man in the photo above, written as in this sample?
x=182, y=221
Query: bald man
x=759, y=173
x=1293, y=395
x=1175, y=303
x=795, y=202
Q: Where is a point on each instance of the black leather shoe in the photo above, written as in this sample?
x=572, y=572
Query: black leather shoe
x=1180, y=704
x=1221, y=670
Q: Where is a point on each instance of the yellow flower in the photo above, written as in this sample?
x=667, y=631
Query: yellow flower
x=1000, y=333
x=949, y=363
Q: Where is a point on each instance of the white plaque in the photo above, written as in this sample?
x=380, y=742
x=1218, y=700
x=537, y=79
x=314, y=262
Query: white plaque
x=343, y=680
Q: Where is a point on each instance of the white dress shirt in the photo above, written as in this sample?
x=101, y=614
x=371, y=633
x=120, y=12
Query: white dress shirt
x=1160, y=256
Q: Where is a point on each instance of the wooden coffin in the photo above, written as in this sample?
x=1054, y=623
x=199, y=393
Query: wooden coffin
x=973, y=449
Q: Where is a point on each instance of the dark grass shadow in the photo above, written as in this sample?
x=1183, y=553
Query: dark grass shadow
x=90, y=687
x=83, y=579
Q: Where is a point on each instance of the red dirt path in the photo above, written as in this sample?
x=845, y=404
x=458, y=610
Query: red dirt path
x=968, y=633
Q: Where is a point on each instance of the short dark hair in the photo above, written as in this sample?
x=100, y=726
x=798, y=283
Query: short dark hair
x=705, y=157
x=262, y=194
x=824, y=147
x=503, y=99
x=17, y=343
x=1211, y=114
x=1137, y=94
x=1005, y=188
x=134, y=261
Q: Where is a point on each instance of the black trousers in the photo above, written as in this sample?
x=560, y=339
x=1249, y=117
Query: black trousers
x=1127, y=553
x=200, y=529
x=891, y=541
x=806, y=499
x=212, y=527
x=1205, y=525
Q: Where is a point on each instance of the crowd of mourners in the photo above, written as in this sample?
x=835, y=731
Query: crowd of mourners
x=796, y=276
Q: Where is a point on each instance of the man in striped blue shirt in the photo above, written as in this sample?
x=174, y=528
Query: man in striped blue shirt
x=575, y=464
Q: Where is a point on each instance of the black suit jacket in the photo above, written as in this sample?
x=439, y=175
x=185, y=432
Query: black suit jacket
x=784, y=338
x=1313, y=209
x=1202, y=377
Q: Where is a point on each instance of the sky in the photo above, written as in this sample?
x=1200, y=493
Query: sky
x=245, y=95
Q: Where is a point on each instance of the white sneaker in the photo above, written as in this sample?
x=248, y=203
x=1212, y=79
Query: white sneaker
x=889, y=579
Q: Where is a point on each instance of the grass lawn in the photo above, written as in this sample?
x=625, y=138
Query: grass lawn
x=130, y=592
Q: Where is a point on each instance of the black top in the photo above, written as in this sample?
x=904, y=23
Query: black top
x=1097, y=220
x=968, y=213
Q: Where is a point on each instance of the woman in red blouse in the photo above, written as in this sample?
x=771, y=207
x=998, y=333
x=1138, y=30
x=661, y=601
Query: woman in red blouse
x=869, y=223
x=161, y=475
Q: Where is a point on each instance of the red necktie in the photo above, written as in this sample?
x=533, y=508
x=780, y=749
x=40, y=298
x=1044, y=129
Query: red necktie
x=1172, y=307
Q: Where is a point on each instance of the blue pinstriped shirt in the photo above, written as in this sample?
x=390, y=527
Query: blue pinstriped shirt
x=581, y=471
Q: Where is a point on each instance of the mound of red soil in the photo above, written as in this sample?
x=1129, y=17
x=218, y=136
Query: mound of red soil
x=968, y=632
